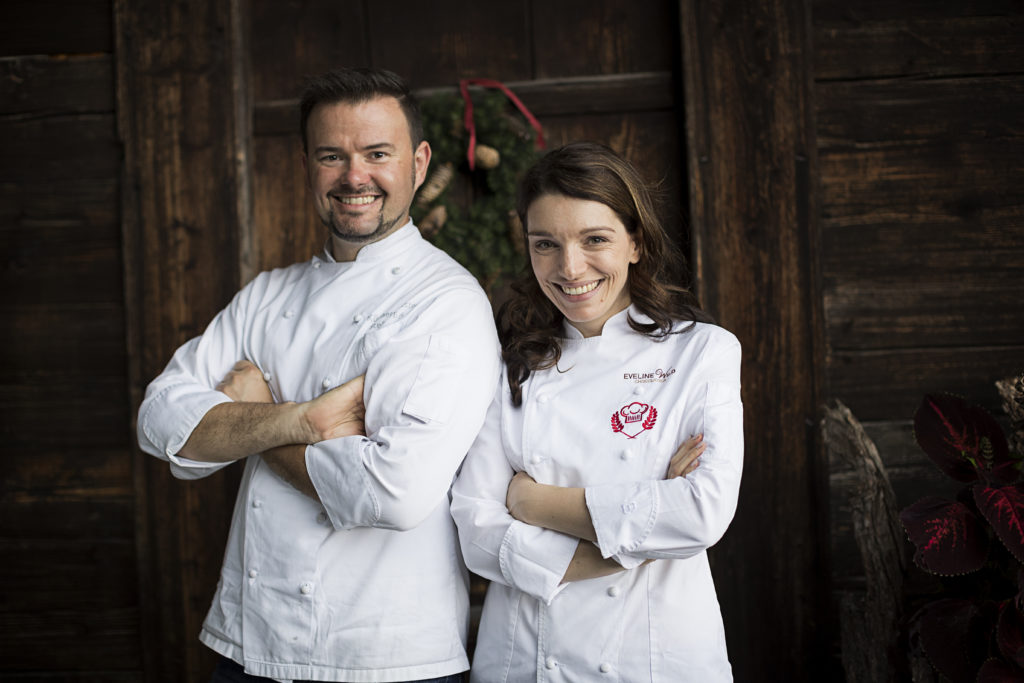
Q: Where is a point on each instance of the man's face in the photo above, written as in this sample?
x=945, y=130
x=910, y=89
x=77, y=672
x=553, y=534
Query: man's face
x=362, y=170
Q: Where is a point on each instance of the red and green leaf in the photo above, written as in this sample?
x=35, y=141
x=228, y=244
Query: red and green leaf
x=963, y=440
x=998, y=671
x=1010, y=633
x=1003, y=508
x=950, y=539
x=950, y=632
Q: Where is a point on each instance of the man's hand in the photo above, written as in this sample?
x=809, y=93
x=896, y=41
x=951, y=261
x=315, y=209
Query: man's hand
x=337, y=413
x=245, y=383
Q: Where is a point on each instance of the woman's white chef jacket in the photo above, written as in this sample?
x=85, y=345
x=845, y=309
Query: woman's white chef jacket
x=608, y=419
x=368, y=586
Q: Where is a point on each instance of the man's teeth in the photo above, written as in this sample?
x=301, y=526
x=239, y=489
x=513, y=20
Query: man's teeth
x=582, y=289
x=357, y=200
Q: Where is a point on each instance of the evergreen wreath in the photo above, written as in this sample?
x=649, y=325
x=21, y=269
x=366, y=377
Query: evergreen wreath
x=470, y=214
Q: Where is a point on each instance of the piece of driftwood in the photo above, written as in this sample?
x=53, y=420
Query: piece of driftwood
x=869, y=623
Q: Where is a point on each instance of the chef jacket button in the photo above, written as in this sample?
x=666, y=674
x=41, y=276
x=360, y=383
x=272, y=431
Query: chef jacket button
x=543, y=398
x=613, y=591
x=253, y=573
x=605, y=668
x=357, y=318
x=306, y=588
x=638, y=390
x=550, y=662
x=396, y=270
x=628, y=507
x=267, y=376
x=256, y=503
x=289, y=313
x=316, y=264
x=536, y=459
x=626, y=454
x=326, y=383
x=322, y=518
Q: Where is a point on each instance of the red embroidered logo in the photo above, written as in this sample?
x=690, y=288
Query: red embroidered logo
x=636, y=418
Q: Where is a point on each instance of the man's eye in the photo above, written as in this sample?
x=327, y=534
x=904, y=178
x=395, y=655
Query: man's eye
x=378, y=155
x=329, y=157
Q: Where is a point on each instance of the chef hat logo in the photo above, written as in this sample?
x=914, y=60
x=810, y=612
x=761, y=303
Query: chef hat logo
x=634, y=412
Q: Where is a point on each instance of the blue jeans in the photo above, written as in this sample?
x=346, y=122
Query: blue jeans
x=228, y=671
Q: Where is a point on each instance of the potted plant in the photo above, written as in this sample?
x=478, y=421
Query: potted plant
x=973, y=630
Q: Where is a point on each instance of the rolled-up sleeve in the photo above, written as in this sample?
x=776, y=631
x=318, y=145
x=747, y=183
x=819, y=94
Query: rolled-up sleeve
x=494, y=544
x=678, y=518
x=427, y=391
x=176, y=401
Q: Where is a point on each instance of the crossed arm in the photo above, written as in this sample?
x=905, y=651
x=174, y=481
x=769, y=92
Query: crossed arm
x=280, y=432
x=564, y=509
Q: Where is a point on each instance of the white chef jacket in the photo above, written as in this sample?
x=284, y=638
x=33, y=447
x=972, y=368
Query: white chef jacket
x=368, y=586
x=609, y=418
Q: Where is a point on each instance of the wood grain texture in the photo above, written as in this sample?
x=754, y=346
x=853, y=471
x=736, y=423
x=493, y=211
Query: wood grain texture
x=35, y=27
x=751, y=161
x=589, y=37
x=182, y=98
x=293, y=40
x=437, y=43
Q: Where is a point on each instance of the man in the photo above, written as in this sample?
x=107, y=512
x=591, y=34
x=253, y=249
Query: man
x=342, y=563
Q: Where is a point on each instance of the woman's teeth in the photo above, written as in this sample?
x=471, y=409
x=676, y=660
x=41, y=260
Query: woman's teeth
x=582, y=289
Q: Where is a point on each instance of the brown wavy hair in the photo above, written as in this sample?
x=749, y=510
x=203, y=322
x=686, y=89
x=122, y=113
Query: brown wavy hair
x=529, y=325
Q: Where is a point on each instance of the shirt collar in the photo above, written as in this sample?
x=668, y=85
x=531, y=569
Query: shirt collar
x=394, y=244
x=615, y=326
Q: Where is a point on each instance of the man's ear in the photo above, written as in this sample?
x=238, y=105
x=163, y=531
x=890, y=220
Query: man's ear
x=421, y=159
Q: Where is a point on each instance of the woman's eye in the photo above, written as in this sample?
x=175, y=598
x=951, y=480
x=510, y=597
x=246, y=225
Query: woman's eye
x=543, y=244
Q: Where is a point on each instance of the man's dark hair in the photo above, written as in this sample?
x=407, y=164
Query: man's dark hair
x=357, y=85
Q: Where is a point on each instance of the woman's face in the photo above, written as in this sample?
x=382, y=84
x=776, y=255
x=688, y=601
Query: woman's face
x=580, y=252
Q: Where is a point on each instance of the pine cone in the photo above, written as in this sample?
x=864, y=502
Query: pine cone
x=433, y=221
x=435, y=185
x=486, y=157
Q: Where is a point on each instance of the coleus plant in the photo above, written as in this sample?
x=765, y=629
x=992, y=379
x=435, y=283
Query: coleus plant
x=975, y=631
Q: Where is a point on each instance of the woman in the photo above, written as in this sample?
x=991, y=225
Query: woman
x=579, y=500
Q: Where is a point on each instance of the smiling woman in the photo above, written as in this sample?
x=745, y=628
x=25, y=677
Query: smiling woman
x=580, y=253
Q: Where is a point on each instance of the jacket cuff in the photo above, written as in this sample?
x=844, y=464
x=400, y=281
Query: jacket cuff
x=534, y=559
x=623, y=516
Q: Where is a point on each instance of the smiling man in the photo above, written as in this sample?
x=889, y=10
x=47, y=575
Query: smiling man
x=352, y=386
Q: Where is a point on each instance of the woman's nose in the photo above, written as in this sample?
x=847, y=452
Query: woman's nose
x=573, y=265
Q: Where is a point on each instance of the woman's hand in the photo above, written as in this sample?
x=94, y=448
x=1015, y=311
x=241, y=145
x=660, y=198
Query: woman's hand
x=686, y=457
x=517, y=497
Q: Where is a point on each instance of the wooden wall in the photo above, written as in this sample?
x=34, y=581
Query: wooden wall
x=847, y=179
x=920, y=124
x=69, y=595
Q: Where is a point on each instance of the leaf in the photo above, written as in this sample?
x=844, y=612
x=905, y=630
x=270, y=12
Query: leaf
x=1003, y=507
x=949, y=631
x=950, y=539
x=963, y=440
x=1010, y=633
x=998, y=671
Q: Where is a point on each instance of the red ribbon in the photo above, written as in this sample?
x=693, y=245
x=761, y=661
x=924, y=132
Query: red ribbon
x=468, y=118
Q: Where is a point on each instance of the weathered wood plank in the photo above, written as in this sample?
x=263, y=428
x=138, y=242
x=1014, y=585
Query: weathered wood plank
x=332, y=35
x=622, y=93
x=863, y=115
x=913, y=45
x=58, y=149
x=439, y=42
x=884, y=384
x=79, y=574
x=38, y=342
x=977, y=305
x=286, y=229
x=182, y=96
x=33, y=27
x=607, y=37
x=70, y=640
x=73, y=476
x=38, y=86
x=752, y=159
x=41, y=514
x=93, y=414
x=839, y=13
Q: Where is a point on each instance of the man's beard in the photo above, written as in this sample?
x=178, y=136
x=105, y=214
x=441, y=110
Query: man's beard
x=384, y=226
